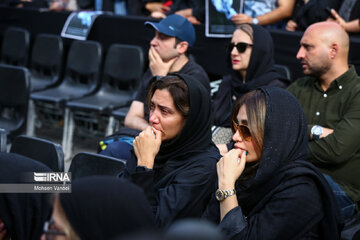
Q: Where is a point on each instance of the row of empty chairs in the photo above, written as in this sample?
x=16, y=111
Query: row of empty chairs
x=46, y=57
x=84, y=93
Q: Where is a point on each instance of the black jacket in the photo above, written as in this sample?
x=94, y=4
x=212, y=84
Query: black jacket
x=288, y=198
x=182, y=180
x=105, y=207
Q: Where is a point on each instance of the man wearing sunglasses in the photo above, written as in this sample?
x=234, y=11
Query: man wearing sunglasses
x=330, y=98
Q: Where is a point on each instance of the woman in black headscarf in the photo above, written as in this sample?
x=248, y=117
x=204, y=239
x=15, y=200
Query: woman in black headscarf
x=174, y=159
x=266, y=188
x=100, y=207
x=23, y=214
x=252, y=59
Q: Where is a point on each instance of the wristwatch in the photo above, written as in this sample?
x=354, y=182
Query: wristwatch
x=255, y=21
x=222, y=194
x=316, y=131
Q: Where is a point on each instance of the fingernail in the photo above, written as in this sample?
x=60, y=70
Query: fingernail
x=246, y=152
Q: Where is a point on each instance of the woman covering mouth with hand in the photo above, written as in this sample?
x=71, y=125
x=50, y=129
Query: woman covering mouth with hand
x=266, y=188
x=176, y=167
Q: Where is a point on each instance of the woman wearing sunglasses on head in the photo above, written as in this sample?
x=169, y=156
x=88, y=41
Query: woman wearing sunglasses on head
x=252, y=61
x=266, y=188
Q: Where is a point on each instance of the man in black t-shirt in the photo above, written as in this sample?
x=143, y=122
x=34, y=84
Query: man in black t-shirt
x=167, y=54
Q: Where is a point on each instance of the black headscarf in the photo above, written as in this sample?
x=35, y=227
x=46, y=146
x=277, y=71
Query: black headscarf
x=24, y=214
x=180, y=183
x=260, y=72
x=103, y=207
x=196, y=134
x=284, y=156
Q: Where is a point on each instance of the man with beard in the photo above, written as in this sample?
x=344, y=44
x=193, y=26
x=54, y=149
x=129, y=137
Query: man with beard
x=167, y=54
x=330, y=98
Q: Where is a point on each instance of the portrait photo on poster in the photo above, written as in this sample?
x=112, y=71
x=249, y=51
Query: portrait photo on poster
x=218, y=17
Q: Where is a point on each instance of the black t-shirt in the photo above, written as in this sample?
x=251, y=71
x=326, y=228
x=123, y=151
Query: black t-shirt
x=191, y=68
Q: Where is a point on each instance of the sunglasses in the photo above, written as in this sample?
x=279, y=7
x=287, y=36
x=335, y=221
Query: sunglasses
x=243, y=130
x=241, y=46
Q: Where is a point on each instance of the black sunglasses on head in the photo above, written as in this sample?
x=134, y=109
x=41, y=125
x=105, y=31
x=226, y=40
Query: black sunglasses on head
x=241, y=46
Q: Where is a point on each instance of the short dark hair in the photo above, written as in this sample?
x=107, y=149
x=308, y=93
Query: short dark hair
x=177, y=89
x=177, y=41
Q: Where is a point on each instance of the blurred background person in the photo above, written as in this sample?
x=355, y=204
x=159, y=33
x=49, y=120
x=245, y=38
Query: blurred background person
x=307, y=12
x=22, y=215
x=269, y=13
x=99, y=207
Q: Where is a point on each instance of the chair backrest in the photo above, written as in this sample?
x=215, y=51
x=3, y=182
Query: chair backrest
x=83, y=63
x=47, y=55
x=14, y=98
x=221, y=135
x=124, y=66
x=42, y=150
x=283, y=70
x=15, y=46
x=87, y=164
x=3, y=140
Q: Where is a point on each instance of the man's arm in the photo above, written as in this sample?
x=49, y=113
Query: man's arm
x=351, y=26
x=135, y=118
x=343, y=143
x=284, y=10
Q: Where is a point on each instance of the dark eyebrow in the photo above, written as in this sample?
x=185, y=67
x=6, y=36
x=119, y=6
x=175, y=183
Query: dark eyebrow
x=165, y=108
x=162, y=107
x=244, y=122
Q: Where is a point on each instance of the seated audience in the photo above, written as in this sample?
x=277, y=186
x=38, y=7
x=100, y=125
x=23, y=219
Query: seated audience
x=266, y=187
x=99, y=207
x=271, y=13
x=252, y=59
x=352, y=25
x=22, y=215
x=192, y=10
x=174, y=159
x=307, y=12
x=167, y=54
x=330, y=98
